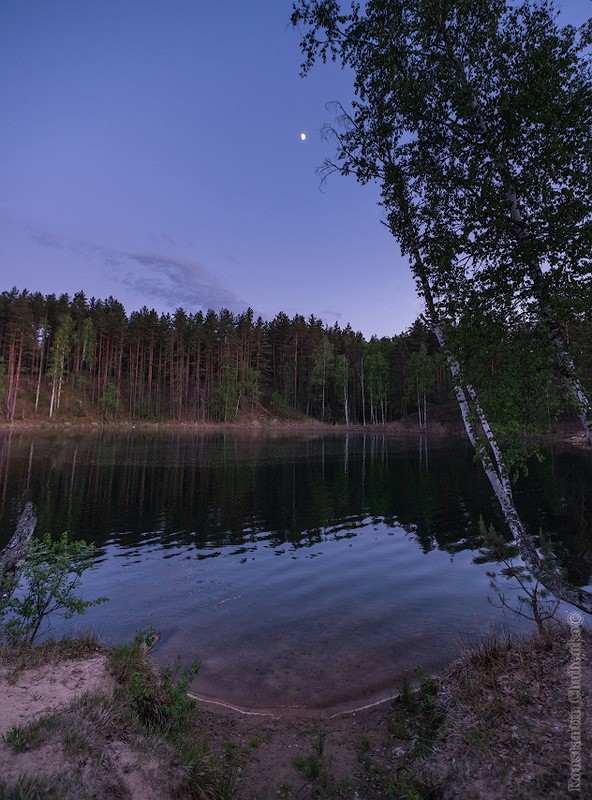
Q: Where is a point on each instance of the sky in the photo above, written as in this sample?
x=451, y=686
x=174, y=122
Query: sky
x=151, y=150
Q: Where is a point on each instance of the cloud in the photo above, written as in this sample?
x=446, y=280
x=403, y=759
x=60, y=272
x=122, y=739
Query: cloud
x=330, y=316
x=164, y=238
x=167, y=281
x=46, y=239
x=179, y=282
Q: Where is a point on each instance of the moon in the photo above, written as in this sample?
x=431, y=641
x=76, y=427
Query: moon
x=303, y=137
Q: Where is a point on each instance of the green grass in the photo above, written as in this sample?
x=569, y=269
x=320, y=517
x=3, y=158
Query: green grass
x=149, y=711
x=310, y=767
x=65, y=786
x=408, y=787
x=157, y=704
x=25, y=656
x=28, y=737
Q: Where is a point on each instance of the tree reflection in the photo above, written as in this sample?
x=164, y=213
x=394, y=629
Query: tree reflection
x=212, y=491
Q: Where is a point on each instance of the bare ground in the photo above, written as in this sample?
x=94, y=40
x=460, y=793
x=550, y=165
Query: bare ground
x=497, y=725
x=64, y=738
x=352, y=755
x=518, y=722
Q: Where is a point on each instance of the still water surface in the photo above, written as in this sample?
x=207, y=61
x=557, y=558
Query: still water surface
x=307, y=571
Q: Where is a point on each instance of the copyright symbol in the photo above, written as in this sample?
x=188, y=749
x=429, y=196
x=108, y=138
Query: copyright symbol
x=574, y=618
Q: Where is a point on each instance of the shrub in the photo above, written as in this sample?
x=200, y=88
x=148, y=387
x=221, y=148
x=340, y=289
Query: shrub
x=51, y=574
x=158, y=701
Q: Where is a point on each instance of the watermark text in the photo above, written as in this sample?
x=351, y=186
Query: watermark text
x=574, y=694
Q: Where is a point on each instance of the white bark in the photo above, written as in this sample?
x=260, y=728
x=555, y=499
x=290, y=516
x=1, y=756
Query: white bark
x=491, y=440
x=565, y=361
x=495, y=470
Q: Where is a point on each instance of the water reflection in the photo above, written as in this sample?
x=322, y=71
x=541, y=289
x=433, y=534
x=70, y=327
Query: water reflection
x=303, y=570
x=219, y=490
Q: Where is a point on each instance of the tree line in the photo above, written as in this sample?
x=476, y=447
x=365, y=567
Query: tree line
x=76, y=356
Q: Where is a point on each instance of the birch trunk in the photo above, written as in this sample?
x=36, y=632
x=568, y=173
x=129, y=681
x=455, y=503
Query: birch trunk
x=346, y=403
x=565, y=361
x=495, y=469
x=40, y=374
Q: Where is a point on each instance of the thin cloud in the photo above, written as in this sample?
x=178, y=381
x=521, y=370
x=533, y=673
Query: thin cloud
x=164, y=238
x=167, y=281
x=46, y=239
x=330, y=316
x=179, y=282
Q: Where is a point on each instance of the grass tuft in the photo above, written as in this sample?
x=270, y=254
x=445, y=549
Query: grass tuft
x=58, y=787
x=25, y=656
x=148, y=712
x=309, y=767
x=406, y=786
x=28, y=737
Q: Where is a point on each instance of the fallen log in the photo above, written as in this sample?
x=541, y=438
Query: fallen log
x=12, y=557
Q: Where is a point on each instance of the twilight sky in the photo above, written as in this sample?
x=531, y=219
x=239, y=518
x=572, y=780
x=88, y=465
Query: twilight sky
x=150, y=150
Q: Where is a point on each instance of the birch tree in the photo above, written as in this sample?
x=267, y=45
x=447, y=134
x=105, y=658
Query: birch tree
x=341, y=373
x=16, y=325
x=398, y=56
x=323, y=356
x=490, y=107
x=376, y=382
x=420, y=381
x=58, y=353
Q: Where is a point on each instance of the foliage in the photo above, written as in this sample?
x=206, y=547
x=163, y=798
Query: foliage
x=57, y=357
x=407, y=787
x=279, y=405
x=2, y=379
x=26, y=737
x=35, y=789
x=322, y=367
x=186, y=366
x=487, y=188
x=191, y=367
x=110, y=400
x=238, y=386
x=313, y=769
x=377, y=383
x=531, y=601
x=452, y=93
x=341, y=378
x=309, y=766
x=30, y=656
x=406, y=694
x=417, y=716
x=420, y=380
x=51, y=574
x=158, y=704
x=85, y=730
x=158, y=701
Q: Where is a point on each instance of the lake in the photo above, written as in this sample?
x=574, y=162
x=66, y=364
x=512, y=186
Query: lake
x=304, y=570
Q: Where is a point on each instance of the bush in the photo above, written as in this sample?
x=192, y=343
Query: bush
x=51, y=574
x=158, y=701
x=279, y=405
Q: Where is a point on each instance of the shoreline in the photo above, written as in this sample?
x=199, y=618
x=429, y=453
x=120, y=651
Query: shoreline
x=302, y=713
x=438, y=737
x=404, y=427
x=566, y=434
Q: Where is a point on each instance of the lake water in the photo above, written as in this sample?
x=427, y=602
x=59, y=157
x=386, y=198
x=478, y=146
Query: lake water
x=305, y=571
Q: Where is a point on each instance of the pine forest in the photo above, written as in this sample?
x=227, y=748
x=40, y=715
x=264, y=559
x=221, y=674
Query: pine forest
x=73, y=357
